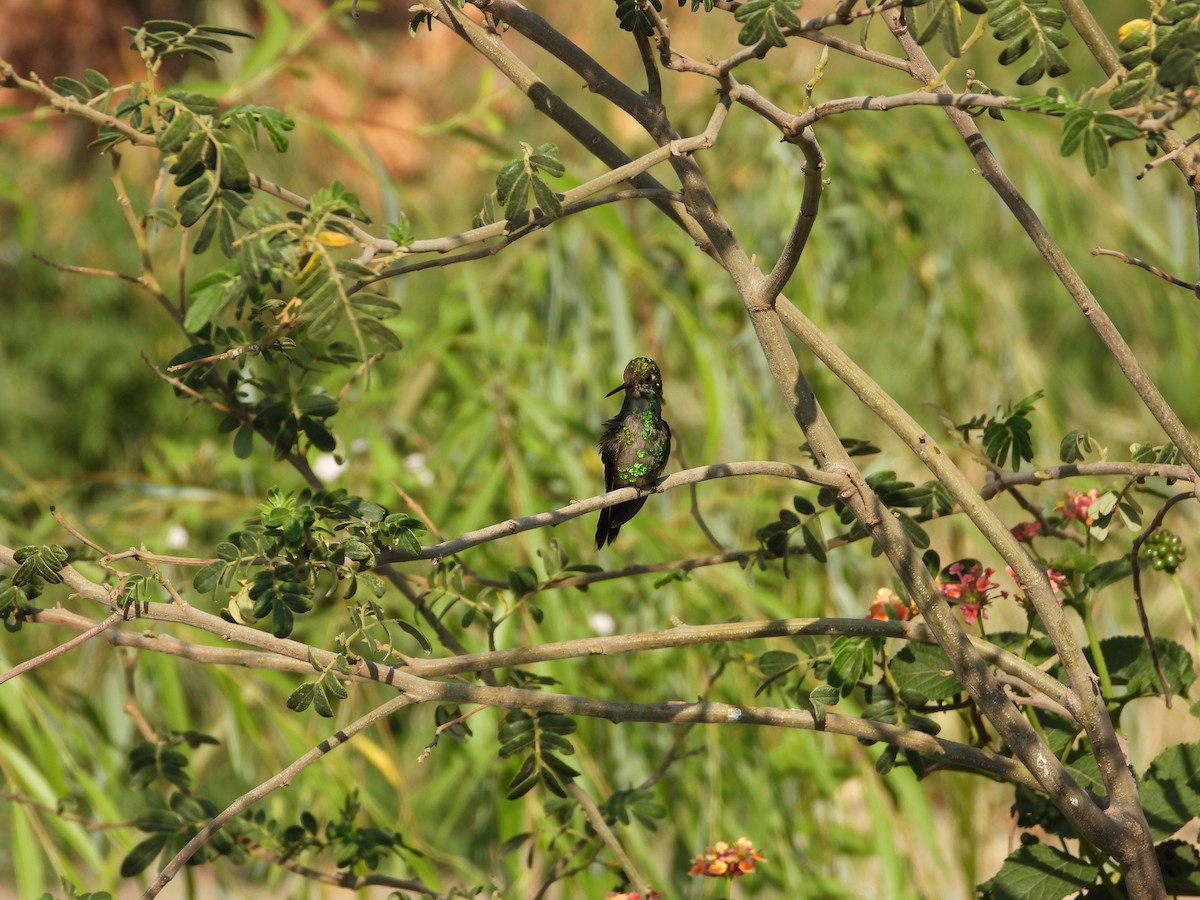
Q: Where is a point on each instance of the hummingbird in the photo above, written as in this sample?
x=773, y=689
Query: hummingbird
x=635, y=444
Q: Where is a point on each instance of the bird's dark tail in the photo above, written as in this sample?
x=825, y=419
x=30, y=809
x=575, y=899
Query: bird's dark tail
x=613, y=517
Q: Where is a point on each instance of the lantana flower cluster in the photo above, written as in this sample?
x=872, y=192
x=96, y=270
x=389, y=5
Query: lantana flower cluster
x=724, y=860
x=972, y=586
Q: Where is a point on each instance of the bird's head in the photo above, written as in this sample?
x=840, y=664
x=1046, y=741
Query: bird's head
x=640, y=375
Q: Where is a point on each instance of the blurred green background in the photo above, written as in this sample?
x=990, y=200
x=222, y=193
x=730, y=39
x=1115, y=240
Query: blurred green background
x=492, y=408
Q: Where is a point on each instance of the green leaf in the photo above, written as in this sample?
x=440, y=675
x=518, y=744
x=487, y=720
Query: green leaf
x=234, y=174
x=416, y=634
x=547, y=200
x=507, y=179
x=633, y=18
x=321, y=702
x=383, y=336
x=545, y=159
x=1180, y=865
x=208, y=298
x=814, y=543
x=851, y=659
x=518, y=196
x=803, y=505
x=318, y=435
x=941, y=17
x=313, y=401
x=173, y=136
x=764, y=20
x=72, y=88
x=98, y=81
x=302, y=697
x=1170, y=789
x=774, y=663
x=190, y=157
x=243, y=441
x=35, y=563
x=205, y=235
x=1075, y=445
x=1039, y=872
x=925, y=669
x=143, y=854
x=209, y=577
x=196, y=199
x=333, y=685
x=197, y=103
x=1129, y=665
x=281, y=626
x=1109, y=572
x=1117, y=126
x=1095, y=151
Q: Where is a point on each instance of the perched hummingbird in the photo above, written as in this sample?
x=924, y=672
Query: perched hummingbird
x=635, y=444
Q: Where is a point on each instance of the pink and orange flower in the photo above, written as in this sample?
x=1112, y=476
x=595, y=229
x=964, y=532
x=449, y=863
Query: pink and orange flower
x=724, y=860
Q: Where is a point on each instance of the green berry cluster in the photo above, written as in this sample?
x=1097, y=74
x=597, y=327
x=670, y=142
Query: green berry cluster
x=1165, y=551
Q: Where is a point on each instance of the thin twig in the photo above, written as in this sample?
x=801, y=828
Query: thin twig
x=346, y=880
x=87, y=270
x=1142, y=264
x=444, y=727
x=600, y=824
x=601, y=501
x=695, y=507
x=1169, y=156
x=185, y=388
x=65, y=814
x=65, y=647
x=131, y=707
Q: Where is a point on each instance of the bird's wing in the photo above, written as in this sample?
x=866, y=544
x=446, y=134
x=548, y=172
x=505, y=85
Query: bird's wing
x=610, y=465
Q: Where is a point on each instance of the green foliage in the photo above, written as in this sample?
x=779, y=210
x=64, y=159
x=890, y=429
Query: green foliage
x=765, y=20
x=1024, y=26
x=311, y=541
x=541, y=739
x=1170, y=789
x=1075, y=446
x=1129, y=666
x=1090, y=130
x=517, y=179
x=38, y=564
x=1007, y=436
x=633, y=805
x=353, y=846
x=160, y=38
x=633, y=18
x=1040, y=872
x=1030, y=26
x=924, y=670
x=940, y=17
x=322, y=693
x=17, y=600
x=1160, y=58
x=1157, y=454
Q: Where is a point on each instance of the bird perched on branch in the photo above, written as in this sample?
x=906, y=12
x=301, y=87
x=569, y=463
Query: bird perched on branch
x=635, y=444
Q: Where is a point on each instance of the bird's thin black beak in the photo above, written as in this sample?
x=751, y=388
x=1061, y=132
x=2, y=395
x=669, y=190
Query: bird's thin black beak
x=619, y=387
